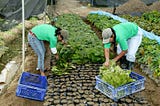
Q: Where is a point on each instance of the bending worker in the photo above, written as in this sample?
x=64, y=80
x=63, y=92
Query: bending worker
x=126, y=38
x=45, y=32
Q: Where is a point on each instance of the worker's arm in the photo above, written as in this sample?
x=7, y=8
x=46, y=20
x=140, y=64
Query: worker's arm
x=106, y=53
x=120, y=55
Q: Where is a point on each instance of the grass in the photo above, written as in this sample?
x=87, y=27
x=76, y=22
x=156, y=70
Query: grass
x=14, y=49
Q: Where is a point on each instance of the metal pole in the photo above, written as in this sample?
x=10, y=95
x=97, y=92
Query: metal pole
x=51, y=2
x=23, y=36
x=45, y=11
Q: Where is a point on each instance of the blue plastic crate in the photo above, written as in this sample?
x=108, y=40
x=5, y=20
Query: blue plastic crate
x=122, y=91
x=33, y=80
x=32, y=86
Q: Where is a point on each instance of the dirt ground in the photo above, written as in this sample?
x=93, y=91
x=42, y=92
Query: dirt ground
x=151, y=92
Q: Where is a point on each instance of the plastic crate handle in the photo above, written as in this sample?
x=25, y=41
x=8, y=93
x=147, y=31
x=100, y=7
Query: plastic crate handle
x=32, y=78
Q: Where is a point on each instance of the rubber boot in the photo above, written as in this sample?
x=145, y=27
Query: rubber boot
x=123, y=62
x=130, y=65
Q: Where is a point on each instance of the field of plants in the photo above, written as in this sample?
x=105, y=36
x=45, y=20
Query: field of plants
x=81, y=60
x=73, y=76
x=85, y=47
x=147, y=55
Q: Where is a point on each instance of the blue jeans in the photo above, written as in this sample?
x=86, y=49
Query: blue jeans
x=39, y=48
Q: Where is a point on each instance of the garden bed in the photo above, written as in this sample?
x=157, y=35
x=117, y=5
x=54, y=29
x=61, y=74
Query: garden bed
x=78, y=88
x=9, y=97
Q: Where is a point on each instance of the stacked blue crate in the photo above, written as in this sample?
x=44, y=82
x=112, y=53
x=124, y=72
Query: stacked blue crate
x=32, y=86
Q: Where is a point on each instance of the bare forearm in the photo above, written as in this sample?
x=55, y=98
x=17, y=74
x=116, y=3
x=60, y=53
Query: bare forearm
x=120, y=55
x=56, y=56
x=106, y=53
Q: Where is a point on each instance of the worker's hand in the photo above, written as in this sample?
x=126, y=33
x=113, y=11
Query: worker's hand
x=64, y=43
x=113, y=60
x=57, y=57
x=106, y=63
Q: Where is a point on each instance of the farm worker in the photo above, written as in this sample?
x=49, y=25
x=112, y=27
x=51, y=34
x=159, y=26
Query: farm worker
x=126, y=38
x=49, y=33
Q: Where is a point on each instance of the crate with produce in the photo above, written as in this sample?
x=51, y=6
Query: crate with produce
x=117, y=83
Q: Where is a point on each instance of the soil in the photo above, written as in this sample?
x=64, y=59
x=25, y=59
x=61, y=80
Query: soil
x=8, y=98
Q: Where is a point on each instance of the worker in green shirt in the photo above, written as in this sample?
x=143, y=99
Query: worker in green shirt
x=126, y=38
x=49, y=33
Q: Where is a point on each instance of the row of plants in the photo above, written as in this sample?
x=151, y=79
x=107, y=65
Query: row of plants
x=83, y=44
x=149, y=21
x=148, y=55
x=101, y=21
x=149, y=49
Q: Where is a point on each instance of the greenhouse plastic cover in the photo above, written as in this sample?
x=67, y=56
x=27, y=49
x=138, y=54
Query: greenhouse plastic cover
x=12, y=9
x=147, y=34
x=111, y=3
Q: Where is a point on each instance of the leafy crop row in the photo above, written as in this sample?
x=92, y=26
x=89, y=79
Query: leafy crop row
x=83, y=44
x=150, y=21
x=149, y=50
x=101, y=21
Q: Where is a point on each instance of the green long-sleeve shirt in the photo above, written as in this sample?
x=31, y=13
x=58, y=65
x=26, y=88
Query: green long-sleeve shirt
x=123, y=31
x=46, y=32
